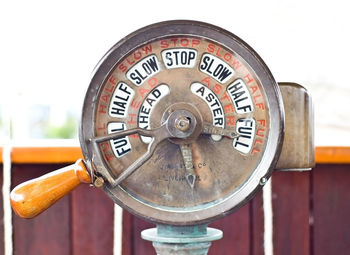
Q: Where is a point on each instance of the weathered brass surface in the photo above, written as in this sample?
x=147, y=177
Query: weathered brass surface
x=298, y=151
x=182, y=66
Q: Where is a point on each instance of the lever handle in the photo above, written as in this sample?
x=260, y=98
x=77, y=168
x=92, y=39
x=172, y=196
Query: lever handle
x=34, y=196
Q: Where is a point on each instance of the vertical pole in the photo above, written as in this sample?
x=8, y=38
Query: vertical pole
x=6, y=185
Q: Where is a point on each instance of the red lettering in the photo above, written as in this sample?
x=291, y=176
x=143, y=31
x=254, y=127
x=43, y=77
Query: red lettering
x=152, y=82
x=211, y=48
x=134, y=136
x=130, y=62
x=225, y=97
x=105, y=146
x=109, y=89
x=206, y=81
x=112, y=80
x=228, y=57
x=255, y=97
x=258, y=141
x=217, y=88
x=123, y=67
x=108, y=157
x=147, y=49
x=254, y=150
x=236, y=64
x=143, y=92
x=135, y=104
x=230, y=120
x=262, y=122
x=260, y=132
x=248, y=78
x=228, y=108
x=137, y=55
x=261, y=106
x=103, y=127
x=174, y=40
x=102, y=108
x=195, y=42
x=218, y=52
x=105, y=98
x=132, y=116
x=184, y=42
x=254, y=89
x=164, y=44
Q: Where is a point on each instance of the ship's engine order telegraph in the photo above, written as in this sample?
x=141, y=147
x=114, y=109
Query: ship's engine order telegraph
x=182, y=124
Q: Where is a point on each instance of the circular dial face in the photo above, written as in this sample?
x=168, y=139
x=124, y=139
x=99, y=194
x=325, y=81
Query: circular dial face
x=206, y=85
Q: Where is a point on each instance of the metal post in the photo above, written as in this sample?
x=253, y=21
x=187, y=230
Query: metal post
x=181, y=240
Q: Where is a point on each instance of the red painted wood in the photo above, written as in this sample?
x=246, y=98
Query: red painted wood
x=331, y=209
x=291, y=204
x=236, y=230
x=128, y=232
x=257, y=225
x=92, y=221
x=141, y=246
x=48, y=233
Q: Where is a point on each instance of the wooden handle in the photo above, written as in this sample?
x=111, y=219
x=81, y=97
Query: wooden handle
x=33, y=197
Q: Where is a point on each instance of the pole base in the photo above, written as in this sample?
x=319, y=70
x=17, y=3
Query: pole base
x=181, y=240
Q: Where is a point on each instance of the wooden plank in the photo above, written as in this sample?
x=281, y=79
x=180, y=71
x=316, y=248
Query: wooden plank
x=133, y=244
x=331, y=209
x=48, y=233
x=257, y=224
x=291, y=211
x=48, y=155
x=141, y=246
x=92, y=221
x=237, y=233
x=69, y=154
x=128, y=233
x=332, y=155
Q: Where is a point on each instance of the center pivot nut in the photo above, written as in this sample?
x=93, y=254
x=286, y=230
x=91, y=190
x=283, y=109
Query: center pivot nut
x=182, y=123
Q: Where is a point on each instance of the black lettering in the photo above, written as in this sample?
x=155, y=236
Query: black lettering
x=156, y=93
x=145, y=110
x=246, y=108
x=176, y=58
x=168, y=57
x=235, y=87
x=226, y=72
x=152, y=62
x=245, y=132
x=217, y=111
x=191, y=56
x=204, y=63
x=140, y=75
x=146, y=68
x=143, y=119
x=201, y=91
x=218, y=70
x=240, y=143
x=218, y=121
x=124, y=88
x=135, y=78
x=210, y=97
x=150, y=101
x=122, y=98
x=183, y=57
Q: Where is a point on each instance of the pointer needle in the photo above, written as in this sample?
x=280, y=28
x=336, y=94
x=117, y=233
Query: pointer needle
x=186, y=151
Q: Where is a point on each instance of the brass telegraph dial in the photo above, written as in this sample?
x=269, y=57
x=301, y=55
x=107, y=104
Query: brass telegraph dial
x=182, y=122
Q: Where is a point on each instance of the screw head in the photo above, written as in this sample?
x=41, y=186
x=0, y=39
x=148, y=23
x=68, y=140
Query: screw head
x=182, y=123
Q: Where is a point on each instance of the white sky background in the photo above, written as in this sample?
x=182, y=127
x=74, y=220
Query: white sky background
x=48, y=49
